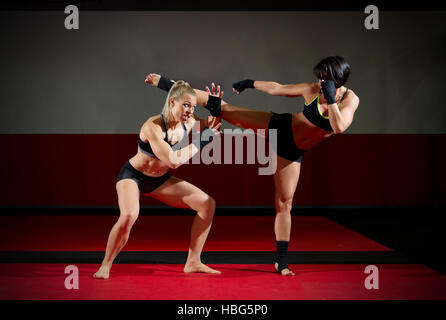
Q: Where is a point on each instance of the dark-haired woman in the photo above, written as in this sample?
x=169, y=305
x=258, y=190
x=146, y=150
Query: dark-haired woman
x=329, y=109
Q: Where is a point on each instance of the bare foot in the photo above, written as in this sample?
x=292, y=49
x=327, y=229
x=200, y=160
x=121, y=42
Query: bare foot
x=199, y=267
x=103, y=272
x=285, y=272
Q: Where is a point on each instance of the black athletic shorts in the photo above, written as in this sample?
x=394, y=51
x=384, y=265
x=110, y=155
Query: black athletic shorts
x=286, y=148
x=146, y=184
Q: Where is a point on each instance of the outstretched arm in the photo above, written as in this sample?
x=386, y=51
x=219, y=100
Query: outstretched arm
x=211, y=101
x=273, y=88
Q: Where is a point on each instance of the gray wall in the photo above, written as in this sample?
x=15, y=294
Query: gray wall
x=92, y=80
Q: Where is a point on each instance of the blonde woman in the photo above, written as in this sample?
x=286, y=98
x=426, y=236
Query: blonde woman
x=163, y=144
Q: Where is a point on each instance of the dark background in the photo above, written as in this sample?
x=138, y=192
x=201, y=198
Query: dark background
x=91, y=80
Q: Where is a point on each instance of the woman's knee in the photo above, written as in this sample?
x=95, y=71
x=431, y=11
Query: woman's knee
x=207, y=206
x=212, y=204
x=127, y=219
x=284, y=204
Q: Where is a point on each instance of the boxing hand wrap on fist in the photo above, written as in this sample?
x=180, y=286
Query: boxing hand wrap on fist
x=165, y=84
x=329, y=90
x=214, y=105
x=242, y=85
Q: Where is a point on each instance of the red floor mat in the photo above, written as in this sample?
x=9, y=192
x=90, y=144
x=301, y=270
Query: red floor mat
x=171, y=233
x=237, y=282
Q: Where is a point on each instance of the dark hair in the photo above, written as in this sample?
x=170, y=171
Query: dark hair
x=333, y=68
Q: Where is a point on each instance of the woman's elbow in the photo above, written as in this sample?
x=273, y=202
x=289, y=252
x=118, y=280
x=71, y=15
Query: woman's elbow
x=275, y=89
x=174, y=164
x=338, y=129
x=272, y=91
x=173, y=161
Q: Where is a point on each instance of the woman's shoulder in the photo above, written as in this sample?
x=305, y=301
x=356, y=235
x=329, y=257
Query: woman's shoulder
x=350, y=94
x=350, y=100
x=152, y=125
x=311, y=92
x=312, y=87
x=155, y=120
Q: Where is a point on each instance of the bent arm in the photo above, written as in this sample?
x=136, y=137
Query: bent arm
x=163, y=151
x=154, y=80
x=203, y=96
x=341, y=119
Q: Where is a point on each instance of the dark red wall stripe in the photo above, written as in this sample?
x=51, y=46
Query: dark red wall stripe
x=349, y=169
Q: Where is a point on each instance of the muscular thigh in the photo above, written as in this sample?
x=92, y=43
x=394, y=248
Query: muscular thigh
x=286, y=178
x=180, y=194
x=128, y=197
x=246, y=118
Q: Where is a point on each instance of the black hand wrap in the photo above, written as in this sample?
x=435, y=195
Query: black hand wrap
x=242, y=85
x=329, y=90
x=165, y=84
x=214, y=105
x=209, y=137
x=201, y=141
x=282, y=255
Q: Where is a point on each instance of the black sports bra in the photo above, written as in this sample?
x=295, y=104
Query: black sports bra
x=312, y=112
x=147, y=149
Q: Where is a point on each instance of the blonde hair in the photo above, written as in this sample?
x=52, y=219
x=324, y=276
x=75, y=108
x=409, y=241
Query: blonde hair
x=179, y=89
